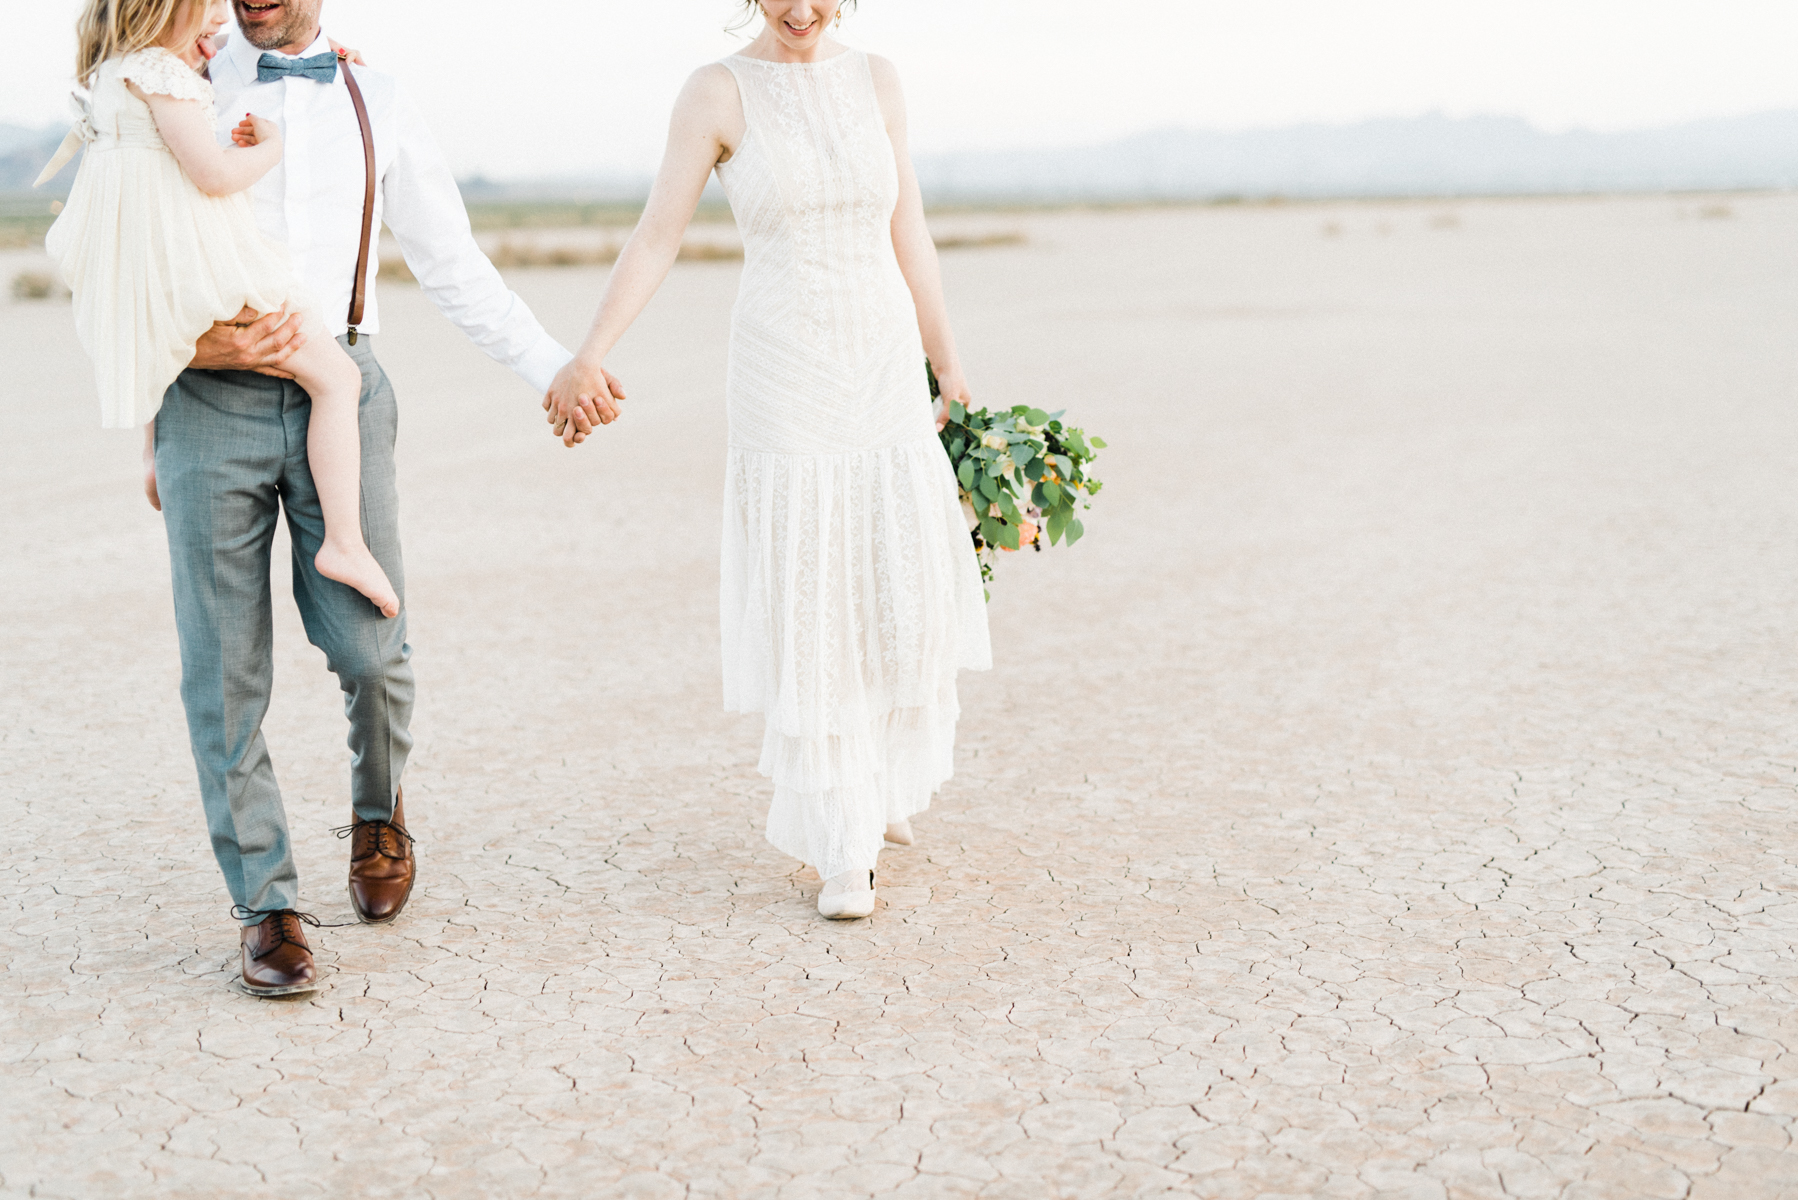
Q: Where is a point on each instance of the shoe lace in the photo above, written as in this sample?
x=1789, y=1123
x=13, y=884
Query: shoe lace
x=283, y=926
x=379, y=843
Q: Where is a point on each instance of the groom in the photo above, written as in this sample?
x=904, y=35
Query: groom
x=230, y=456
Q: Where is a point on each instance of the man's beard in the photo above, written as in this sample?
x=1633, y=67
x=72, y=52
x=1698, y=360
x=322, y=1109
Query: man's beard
x=272, y=37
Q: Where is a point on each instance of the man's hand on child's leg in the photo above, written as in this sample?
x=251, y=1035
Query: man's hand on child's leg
x=250, y=343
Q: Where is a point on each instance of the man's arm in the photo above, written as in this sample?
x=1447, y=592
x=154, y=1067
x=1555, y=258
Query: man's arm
x=425, y=212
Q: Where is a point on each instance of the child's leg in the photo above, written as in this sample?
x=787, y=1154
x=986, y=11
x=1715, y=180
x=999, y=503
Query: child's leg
x=334, y=450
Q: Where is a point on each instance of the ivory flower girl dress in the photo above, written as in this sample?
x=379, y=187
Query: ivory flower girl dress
x=151, y=259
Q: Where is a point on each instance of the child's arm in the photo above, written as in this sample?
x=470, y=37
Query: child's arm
x=214, y=169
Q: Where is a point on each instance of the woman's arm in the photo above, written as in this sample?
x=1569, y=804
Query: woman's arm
x=915, y=250
x=706, y=126
x=214, y=169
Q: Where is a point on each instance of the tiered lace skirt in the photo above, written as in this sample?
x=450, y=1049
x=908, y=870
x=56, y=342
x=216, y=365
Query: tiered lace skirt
x=851, y=597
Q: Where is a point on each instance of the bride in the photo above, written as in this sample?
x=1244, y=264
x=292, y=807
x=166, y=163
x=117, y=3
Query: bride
x=851, y=595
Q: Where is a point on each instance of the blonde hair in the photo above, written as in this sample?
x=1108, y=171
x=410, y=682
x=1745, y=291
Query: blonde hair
x=109, y=28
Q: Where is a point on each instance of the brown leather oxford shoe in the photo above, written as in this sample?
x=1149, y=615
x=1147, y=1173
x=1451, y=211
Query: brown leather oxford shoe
x=382, y=866
x=276, y=959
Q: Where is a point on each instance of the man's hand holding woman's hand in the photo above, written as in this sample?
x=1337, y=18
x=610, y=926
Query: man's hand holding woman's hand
x=583, y=396
x=250, y=343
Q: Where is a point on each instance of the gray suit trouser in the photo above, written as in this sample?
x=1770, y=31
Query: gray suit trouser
x=230, y=457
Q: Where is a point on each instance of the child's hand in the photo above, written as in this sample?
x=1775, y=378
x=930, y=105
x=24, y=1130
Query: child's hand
x=150, y=491
x=254, y=131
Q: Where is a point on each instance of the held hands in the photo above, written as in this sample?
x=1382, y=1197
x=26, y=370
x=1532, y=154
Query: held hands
x=584, y=395
x=250, y=343
x=254, y=131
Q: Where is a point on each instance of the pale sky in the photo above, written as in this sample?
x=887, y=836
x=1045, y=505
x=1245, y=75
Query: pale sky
x=562, y=87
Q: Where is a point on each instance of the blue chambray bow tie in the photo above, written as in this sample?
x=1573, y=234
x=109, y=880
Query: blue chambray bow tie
x=322, y=67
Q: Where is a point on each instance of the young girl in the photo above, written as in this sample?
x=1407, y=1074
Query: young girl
x=158, y=241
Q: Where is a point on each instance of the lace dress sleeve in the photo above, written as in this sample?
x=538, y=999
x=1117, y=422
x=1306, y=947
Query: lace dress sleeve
x=161, y=73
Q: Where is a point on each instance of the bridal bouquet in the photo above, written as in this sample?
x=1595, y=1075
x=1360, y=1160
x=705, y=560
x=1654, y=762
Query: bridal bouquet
x=1022, y=474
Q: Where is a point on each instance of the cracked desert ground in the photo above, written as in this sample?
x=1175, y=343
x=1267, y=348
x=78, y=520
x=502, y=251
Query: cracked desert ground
x=1392, y=797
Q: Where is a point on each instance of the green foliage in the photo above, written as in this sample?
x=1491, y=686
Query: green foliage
x=1023, y=473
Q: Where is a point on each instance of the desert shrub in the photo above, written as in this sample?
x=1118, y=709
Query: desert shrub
x=37, y=285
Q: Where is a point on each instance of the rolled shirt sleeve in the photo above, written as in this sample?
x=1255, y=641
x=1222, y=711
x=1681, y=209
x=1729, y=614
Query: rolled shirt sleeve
x=424, y=209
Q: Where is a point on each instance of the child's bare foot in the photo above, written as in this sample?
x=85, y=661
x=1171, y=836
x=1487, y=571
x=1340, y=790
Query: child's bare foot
x=355, y=566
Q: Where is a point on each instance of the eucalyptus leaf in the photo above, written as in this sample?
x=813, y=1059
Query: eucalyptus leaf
x=998, y=483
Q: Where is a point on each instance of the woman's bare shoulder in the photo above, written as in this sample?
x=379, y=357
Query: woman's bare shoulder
x=885, y=73
x=710, y=105
x=886, y=85
x=712, y=82
x=887, y=90
x=711, y=94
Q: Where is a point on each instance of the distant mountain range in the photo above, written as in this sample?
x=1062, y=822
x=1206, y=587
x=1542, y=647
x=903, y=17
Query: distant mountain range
x=23, y=153
x=1421, y=156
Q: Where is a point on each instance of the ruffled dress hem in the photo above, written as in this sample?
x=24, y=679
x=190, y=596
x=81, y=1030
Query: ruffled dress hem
x=851, y=599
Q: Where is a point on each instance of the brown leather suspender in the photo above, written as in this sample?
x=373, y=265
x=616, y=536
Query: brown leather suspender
x=359, y=292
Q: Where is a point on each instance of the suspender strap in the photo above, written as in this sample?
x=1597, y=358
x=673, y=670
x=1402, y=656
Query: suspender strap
x=359, y=291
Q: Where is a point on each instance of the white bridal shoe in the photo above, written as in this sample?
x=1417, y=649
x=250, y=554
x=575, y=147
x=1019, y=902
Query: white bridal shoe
x=899, y=833
x=848, y=896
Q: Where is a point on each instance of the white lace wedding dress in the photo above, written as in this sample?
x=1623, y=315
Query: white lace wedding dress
x=851, y=595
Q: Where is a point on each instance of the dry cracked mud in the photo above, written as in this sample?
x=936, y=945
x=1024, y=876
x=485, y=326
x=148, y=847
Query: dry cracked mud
x=1392, y=797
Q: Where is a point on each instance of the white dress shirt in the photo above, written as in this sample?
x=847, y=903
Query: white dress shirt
x=312, y=201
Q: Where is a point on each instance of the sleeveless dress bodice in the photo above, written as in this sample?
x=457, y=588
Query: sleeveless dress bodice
x=851, y=594
x=823, y=304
